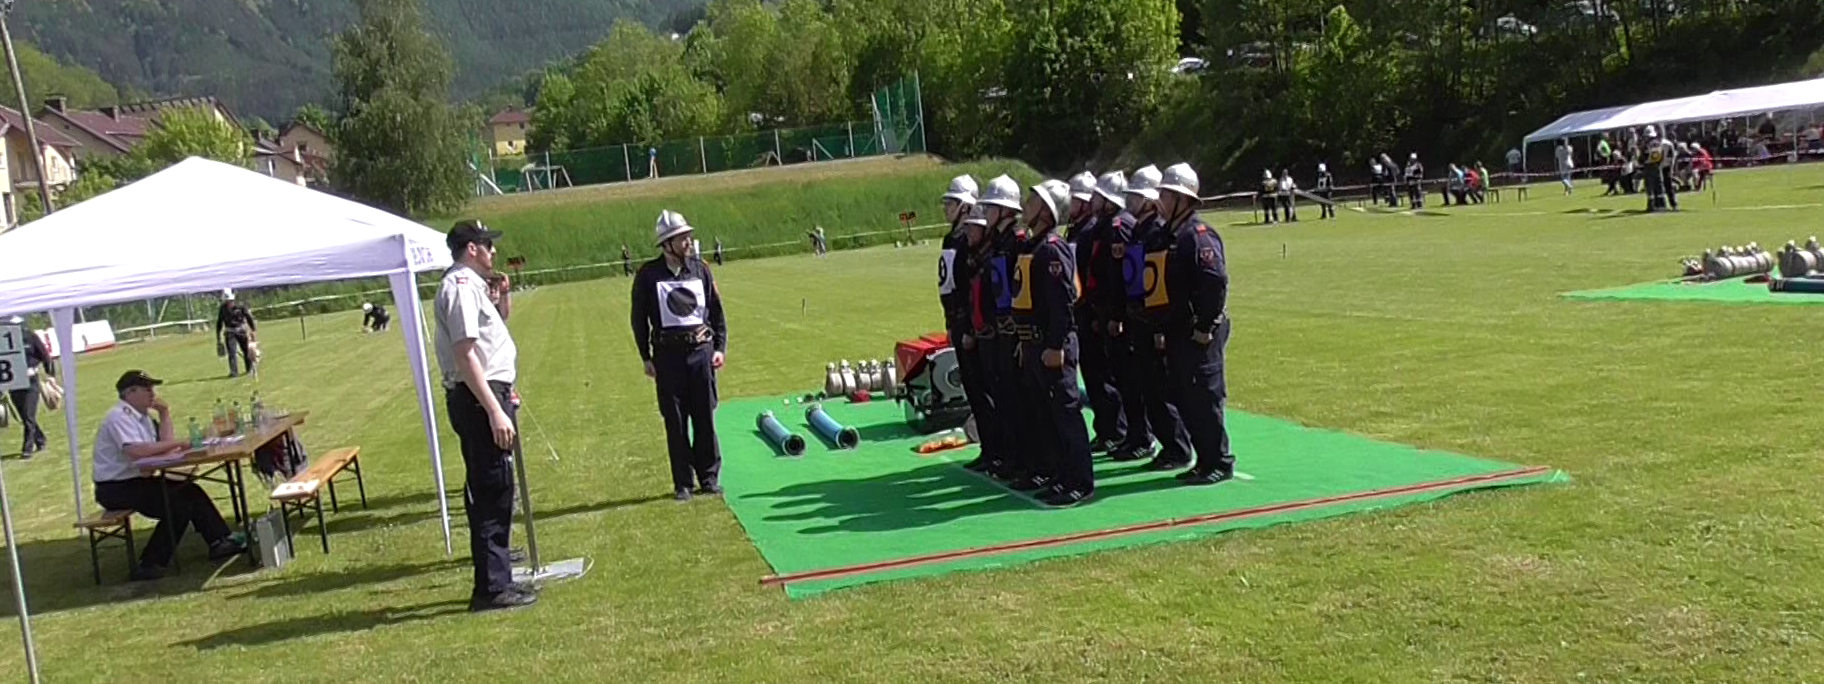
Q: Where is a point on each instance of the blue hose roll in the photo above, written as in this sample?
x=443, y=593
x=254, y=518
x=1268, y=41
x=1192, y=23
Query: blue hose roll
x=778, y=436
x=830, y=430
x=1796, y=285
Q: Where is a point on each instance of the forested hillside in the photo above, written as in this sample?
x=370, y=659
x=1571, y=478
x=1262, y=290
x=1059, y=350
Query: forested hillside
x=266, y=57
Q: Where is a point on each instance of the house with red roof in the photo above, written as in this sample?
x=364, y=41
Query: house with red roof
x=17, y=172
x=507, y=132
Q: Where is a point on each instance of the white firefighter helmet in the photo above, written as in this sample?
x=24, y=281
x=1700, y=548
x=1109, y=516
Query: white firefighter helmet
x=227, y=293
x=1082, y=186
x=1415, y=156
x=1055, y=196
x=671, y=224
x=1145, y=182
x=1652, y=132
x=367, y=306
x=1321, y=168
x=977, y=217
x=1181, y=179
x=1111, y=186
x=963, y=189
x=1003, y=191
x=1267, y=174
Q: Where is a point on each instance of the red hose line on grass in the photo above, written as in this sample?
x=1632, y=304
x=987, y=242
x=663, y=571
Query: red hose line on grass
x=915, y=561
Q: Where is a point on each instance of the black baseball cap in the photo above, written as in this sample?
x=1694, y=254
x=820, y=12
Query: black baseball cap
x=135, y=378
x=470, y=231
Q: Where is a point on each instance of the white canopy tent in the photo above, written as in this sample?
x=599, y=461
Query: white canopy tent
x=1721, y=104
x=203, y=225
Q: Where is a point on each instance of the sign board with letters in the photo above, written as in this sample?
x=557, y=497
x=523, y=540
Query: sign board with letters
x=12, y=358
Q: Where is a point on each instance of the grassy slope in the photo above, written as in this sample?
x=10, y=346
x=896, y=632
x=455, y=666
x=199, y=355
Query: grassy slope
x=755, y=212
x=1685, y=550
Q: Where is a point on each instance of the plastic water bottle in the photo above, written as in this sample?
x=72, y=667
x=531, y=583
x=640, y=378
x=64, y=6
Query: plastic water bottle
x=259, y=412
x=221, y=418
x=239, y=423
x=196, y=434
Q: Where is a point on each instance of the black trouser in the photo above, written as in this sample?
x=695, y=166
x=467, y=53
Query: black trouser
x=1668, y=187
x=976, y=387
x=1147, y=370
x=1030, y=424
x=1058, y=408
x=1098, y=377
x=237, y=338
x=1004, y=390
x=1270, y=208
x=1204, y=394
x=488, y=492
x=686, y=382
x=1127, y=374
x=1287, y=202
x=190, y=507
x=1654, y=188
x=1416, y=194
x=26, y=401
x=1328, y=207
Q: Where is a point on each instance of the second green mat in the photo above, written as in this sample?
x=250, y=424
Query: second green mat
x=858, y=513
x=1735, y=291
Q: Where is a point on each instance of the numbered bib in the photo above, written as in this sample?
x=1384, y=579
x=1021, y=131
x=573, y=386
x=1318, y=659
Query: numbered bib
x=1003, y=294
x=946, y=272
x=12, y=359
x=682, y=303
x=1152, y=280
x=1022, y=276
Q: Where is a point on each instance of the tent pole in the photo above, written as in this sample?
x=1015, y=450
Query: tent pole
x=12, y=554
x=65, y=322
x=405, y=299
x=25, y=112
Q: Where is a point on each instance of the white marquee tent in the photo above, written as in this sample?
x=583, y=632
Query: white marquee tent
x=203, y=225
x=1721, y=104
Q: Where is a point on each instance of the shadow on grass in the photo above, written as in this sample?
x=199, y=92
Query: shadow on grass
x=59, y=577
x=1623, y=213
x=324, y=582
x=933, y=493
x=356, y=520
x=333, y=623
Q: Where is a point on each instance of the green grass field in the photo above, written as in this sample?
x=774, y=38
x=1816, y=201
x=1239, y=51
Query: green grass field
x=1685, y=548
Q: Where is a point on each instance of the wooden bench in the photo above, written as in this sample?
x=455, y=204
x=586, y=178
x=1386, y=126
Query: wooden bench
x=303, y=493
x=108, y=525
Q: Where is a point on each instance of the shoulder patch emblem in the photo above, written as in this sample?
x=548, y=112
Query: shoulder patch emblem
x=1207, y=255
x=1057, y=269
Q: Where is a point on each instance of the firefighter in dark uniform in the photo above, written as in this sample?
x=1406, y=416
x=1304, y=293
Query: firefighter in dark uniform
x=1142, y=320
x=374, y=317
x=626, y=261
x=1100, y=202
x=1197, y=333
x=718, y=251
x=1109, y=301
x=994, y=282
x=1049, y=286
x=25, y=401
x=1415, y=182
x=241, y=332
x=1326, y=188
x=953, y=271
x=681, y=334
x=1031, y=422
x=479, y=363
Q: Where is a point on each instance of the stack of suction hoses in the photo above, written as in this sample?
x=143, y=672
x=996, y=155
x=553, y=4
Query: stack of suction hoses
x=776, y=435
x=1731, y=262
x=842, y=436
x=1796, y=285
x=1801, y=262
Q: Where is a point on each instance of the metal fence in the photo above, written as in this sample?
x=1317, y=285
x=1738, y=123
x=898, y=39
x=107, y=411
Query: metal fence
x=897, y=128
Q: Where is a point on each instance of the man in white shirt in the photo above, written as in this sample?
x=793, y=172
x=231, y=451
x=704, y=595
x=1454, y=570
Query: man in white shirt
x=129, y=433
x=478, y=359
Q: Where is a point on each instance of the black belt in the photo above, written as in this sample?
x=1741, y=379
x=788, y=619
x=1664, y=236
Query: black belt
x=1006, y=326
x=689, y=337
x=1026, y=332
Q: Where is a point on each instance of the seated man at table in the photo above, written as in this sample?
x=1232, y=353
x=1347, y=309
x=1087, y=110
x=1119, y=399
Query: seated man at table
x=128, y=433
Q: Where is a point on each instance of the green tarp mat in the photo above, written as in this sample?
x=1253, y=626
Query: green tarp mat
x=831, y=509
x=1735, y=291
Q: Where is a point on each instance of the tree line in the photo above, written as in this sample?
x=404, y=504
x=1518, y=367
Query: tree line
x=1067, y=83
